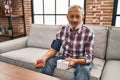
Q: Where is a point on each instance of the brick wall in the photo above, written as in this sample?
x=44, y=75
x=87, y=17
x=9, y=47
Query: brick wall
x=17, y=10
x=97, y=12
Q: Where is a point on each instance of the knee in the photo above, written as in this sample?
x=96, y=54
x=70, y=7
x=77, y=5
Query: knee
x=81, y=73
x=49, y=67
x=51, y=61
x=83, y=68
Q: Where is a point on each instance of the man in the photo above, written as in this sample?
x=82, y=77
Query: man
x=77, y=43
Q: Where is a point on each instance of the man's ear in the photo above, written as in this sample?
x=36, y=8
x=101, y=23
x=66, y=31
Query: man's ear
x=83, y=18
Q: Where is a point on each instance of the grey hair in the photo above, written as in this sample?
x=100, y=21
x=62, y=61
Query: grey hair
x=76, y=6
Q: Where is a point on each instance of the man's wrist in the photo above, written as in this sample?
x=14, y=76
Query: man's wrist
x=80, y=61
x=45, y=58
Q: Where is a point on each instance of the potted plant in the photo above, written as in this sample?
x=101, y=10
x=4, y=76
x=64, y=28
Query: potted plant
x=10, y=28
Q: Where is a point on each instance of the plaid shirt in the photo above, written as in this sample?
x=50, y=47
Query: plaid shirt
x=78, y=45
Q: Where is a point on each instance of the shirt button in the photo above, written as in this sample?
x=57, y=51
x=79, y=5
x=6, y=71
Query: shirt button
x=81, y=54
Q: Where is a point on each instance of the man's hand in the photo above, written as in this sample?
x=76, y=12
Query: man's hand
x=40, y=63
x=71, y=62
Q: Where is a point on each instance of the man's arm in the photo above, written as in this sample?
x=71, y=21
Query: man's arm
x=40, y=62
x=55, y=47
x=89, y=48
x=56, y=44
x=73, y=62
x=76, y=61
x=52, y=52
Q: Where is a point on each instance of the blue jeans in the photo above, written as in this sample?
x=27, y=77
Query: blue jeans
x=81, y=71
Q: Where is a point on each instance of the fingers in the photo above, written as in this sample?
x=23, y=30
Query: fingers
x=71, y=63
x=39, y=63
x=35, y=63
x=68, y=67
x=39, y=66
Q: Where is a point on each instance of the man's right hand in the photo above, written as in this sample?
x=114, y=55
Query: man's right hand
x=40, y=63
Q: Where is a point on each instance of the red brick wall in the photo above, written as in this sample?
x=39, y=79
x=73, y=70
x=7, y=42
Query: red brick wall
x=17, y=10
x=28, y=17
x=97, y=12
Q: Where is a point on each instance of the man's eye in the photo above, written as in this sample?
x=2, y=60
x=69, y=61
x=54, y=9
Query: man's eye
x=71, y=16
x=78, y=17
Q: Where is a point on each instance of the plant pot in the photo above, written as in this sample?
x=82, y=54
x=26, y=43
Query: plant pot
x=3, y=29
x=10, y=31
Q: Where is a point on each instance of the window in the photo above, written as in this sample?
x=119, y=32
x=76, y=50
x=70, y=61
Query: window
x=116, y=14
x=52, y=11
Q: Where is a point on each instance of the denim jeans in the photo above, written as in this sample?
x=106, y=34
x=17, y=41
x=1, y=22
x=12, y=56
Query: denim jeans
x=81, y=71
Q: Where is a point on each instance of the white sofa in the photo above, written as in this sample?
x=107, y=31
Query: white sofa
x=24, y=51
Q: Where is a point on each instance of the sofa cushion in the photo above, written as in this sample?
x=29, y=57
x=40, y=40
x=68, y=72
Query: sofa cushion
x=111, y=70
x=42, y=35
x=23, y=57
x=95, y=73
x=25, y=54
x=100, y=40
x=113, y=50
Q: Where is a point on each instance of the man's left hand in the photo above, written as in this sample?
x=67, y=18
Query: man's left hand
x=72, y=62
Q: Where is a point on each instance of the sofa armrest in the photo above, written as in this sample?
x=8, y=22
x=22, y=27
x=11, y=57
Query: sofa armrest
x=13, y=44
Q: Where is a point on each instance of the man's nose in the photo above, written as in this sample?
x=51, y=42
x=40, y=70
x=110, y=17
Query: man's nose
x=74, y=19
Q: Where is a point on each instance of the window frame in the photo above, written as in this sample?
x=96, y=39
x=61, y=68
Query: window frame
x=32, y=11
x=115, y=7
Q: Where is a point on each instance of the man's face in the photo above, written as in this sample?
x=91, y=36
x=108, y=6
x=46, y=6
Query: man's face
x=75, y=17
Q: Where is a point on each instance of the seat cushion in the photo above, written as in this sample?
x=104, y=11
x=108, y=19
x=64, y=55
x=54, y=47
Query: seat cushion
x=23, y=57
x=95, y=73
x=111, y=70
x=42, y=35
